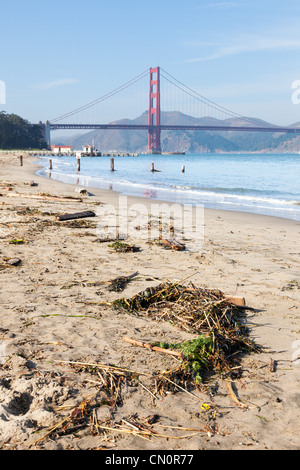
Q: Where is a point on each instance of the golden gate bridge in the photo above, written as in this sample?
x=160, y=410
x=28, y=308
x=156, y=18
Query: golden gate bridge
x=201, y=114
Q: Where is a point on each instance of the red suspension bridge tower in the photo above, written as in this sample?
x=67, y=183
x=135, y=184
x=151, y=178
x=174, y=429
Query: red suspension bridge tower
x=154, y=112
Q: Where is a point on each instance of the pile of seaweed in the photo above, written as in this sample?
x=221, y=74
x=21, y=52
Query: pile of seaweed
x=222, y=336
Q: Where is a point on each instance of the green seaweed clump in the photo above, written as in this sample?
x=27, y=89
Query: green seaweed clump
x=196, y=354
x=122, y=247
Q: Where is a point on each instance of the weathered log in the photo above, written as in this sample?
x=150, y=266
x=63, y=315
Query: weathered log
x=76, y=215
x=152, y=348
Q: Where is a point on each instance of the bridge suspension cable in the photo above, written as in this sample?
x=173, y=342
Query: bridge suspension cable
x=102, y=98
x=134, y=103
x=212, y=105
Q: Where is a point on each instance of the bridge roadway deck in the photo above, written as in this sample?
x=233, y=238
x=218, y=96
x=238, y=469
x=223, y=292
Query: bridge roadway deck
x=163, y=127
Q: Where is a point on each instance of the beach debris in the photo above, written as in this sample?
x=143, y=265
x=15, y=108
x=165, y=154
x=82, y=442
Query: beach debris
x=13, y=261
x=233, y=394
x=85, y=416
x=152, y=347
x=221, y=340
x=273, y=365
x=7, y=185
x=82, y=191
x=109, y=381
x=123, y=247
x=28, y=211
x=171, y=243
x=108, y=239
x=76, y=215
x=75, y=224
x=69, y=285
x=194, y=355
x=45, y=197
x=79, y=418
x=291, y=285
x=119, y=283
x=32, y=183
x=236, y=300
x=10, y=262
x=16, y=241
x=101, y=368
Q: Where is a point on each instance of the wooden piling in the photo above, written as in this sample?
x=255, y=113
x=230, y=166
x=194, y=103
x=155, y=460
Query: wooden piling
x=112, y=164
x=153, y=169
x=78, y=164
x=50, y=164
x=183, y=169
x=21, y=160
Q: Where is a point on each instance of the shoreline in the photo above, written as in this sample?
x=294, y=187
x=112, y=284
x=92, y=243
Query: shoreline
x=54, y=311
x=188, y=196
x=105, y=194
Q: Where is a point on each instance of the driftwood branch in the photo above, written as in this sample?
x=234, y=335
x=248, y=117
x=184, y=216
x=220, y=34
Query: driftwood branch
x=172, y=244
x=44, y=197
x=233, y=395
x=152, y=348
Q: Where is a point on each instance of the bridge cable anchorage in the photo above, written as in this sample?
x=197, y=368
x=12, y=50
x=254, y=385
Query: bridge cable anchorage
x=102, y=98
x=207, y=101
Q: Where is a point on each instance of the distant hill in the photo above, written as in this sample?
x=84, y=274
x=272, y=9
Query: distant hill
x=188, y=141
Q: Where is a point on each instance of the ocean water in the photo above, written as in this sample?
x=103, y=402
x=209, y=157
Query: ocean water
x=257, y=183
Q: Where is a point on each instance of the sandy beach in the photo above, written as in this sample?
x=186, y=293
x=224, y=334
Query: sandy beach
x=56, y=314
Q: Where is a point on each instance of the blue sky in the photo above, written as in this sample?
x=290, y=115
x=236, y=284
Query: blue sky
x=244, y=55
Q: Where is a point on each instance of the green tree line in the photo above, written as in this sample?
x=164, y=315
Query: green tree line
x=17, y=133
